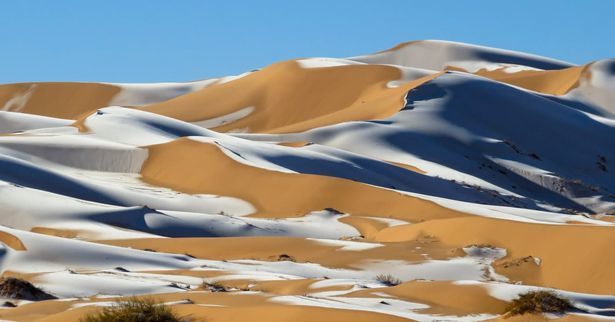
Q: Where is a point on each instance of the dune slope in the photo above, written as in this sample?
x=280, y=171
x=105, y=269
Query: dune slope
x=434, y=181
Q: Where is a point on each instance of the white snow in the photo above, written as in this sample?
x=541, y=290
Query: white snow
x=132, y=94
x=225, y=119
x=486, y=149
x=347, y=245
x=390, y=307
x=17, y=122
x=437, y=54
x=19, y=100
x=323, y=62
x=595, y=306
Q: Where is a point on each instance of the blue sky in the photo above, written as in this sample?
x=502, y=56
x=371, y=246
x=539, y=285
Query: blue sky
x=181, y=40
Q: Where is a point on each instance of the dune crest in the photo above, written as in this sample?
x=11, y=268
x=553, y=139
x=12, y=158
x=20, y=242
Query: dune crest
x=434, y=180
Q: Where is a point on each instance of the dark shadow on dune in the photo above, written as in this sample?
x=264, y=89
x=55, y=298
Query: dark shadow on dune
x=386, y=175
x=581, y=106
x=610, y=68
x=179, y=131
x=536, y=124
x=606, y=305
x=600, y=303
x=133, y=218
x=508, y=59
x=426, y=91
x=383, y=122
x=478, y=166
x=24, y=174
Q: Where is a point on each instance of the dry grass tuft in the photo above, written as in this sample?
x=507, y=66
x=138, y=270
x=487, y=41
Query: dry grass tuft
x=539, y=302
x=135, y=310
x=214, y=286
x=388, y=280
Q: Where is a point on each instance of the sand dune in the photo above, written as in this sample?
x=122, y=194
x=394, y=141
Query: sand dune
x=61, y=100
x=289, y=98
x=554, y=82
x=269, y=191
x=564, y=261
x=434, y=181
x=438, y=54
x=71, y=100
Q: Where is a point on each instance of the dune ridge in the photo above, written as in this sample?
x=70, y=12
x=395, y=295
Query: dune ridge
x=431, y=181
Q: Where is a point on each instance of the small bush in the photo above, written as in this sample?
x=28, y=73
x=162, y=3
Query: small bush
x=214, y=286
x=16, y=288
x=135, y=310
x=388, y=280
x=286, y=258
x=9, y=304
x=539, y=302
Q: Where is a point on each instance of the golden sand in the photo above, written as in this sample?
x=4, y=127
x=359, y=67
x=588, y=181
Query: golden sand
x=569, y=254
x=11, y=241
x=62, y=100
x=444, y=298
x=299, y=249
x=227, y=307
x=288, y=98
x=195, y=167
x=553, y=82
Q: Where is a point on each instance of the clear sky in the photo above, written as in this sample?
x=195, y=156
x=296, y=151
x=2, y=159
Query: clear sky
x=180, y=40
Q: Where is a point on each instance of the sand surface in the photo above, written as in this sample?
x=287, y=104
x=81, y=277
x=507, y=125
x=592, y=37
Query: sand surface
x=434, y=181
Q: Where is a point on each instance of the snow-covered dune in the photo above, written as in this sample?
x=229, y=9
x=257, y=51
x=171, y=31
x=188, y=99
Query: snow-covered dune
x=438, y=54
x=70, y=100
x=431, y=181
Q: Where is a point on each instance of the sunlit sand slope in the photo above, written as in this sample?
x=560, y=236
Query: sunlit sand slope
x=434, y=181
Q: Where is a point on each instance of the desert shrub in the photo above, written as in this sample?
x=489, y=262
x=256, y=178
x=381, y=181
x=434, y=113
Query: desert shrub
x=286, y=258
x=135, y=310
x=9, y=304
x=16, y=288
x=214, y=286
x=388, y=279
x=539, y=302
